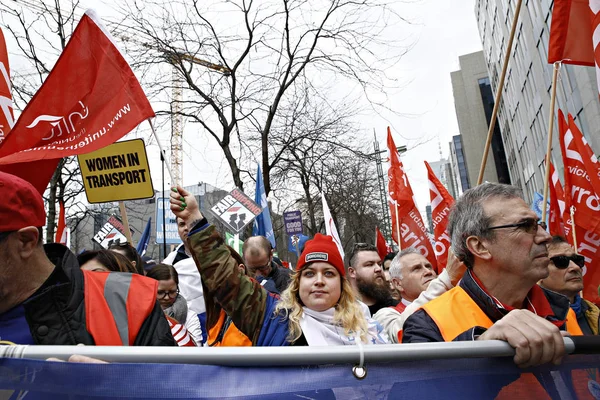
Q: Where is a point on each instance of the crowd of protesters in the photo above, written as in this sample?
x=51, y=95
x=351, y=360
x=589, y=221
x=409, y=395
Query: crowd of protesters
x=505, y=279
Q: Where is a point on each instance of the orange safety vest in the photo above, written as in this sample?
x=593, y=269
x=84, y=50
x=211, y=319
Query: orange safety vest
x=116, y=306
x=456, y=312
x=231, y=336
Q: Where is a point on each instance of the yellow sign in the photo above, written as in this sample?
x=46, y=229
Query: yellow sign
x=117, y=172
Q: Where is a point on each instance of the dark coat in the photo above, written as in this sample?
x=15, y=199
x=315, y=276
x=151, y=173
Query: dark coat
x=56, y=311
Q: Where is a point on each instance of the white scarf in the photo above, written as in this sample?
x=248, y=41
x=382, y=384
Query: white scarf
x=320, y=330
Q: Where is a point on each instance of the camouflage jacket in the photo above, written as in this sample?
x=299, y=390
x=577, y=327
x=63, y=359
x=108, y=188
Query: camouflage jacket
x=251, y=308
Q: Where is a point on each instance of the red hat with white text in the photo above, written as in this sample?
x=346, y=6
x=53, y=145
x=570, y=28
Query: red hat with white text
x=321, y=248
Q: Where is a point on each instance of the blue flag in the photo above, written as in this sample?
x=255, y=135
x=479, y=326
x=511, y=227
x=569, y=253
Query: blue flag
x=143, y=243
x=262, y=224
x=538, y=204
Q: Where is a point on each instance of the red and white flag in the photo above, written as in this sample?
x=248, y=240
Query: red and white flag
x=558, y=211
x=406, y=218
x=441, y=202
x=382, y=247
x=6, y=103
x=90, y=99
x=582, y=186
x=61, y=229
x=575, y=33
x=330, y=227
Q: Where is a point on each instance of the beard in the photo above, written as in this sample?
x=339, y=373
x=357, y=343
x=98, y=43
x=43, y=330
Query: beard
x=378, y=291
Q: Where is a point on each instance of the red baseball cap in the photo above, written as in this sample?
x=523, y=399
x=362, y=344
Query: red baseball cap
x=321, y=248
x=21, y=205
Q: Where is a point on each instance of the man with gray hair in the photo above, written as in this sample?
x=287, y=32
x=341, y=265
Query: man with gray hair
x=497, y=236
x=413, y=276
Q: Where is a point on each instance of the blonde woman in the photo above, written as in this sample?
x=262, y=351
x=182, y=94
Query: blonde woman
x=317, y=309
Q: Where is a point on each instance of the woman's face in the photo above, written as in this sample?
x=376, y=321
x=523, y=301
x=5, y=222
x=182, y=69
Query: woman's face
x=167, y=292
x=94, y=265
x=320, y=286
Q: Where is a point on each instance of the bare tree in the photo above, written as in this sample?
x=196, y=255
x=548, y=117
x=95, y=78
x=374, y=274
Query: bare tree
x=262, y=49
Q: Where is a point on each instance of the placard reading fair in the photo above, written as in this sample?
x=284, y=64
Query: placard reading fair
x=117, y=172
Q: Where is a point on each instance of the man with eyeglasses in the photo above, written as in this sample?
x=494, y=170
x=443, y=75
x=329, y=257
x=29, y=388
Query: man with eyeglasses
x=497, y=236
x=566, y=278
x=258, y=258
x=46, y=299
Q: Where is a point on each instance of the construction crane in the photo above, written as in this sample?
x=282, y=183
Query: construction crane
x=175, y=57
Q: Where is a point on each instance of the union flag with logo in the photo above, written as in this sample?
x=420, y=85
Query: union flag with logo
x=582, y=186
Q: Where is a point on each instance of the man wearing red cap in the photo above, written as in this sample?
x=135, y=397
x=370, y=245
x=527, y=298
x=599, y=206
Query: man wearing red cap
x=46, y=299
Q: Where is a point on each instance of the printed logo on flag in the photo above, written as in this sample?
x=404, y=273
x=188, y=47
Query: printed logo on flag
x=112, y=232
x=236, y=210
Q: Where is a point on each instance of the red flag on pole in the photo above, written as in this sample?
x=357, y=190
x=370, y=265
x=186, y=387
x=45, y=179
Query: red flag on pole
x=556, y=224
x=89, y=100
x=582, y=186
x=408, y=229
x=382, y=247
x=6, y=103
x=441, y=202
x=571, y=33
x=61, y=230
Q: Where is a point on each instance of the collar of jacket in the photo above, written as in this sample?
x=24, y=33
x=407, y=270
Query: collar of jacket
x=560, y=304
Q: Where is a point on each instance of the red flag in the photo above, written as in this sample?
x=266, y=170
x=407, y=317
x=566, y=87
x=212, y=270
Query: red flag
x=410, y=226
x=441, y=202
x=556, y=224
x=6, y=104
x=581, y=187
x=382, y=247
x=90, y=99
x=571, y=33
x=61, y=230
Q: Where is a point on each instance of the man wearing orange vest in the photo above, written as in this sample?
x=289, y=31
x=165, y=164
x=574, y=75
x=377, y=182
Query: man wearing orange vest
x=566, y=278
x=46, y=299
x=497, y=236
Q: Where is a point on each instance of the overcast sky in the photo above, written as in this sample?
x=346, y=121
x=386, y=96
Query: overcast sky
x=441, y=31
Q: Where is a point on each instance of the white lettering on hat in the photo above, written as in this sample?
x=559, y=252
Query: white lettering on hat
x=317, y=257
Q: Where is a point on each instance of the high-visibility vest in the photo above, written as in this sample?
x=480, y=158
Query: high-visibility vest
x=116, y=306
x=572, y=325
x=456, y=312
x=225, y=333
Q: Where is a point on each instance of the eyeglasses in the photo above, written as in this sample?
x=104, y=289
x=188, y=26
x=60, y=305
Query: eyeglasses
x=262, y=269
x=161, y=294
x=529, y=225
x=562, y=262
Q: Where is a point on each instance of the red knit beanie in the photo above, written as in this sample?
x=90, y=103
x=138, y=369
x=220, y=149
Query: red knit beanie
x=321, y=248
x=21, y=204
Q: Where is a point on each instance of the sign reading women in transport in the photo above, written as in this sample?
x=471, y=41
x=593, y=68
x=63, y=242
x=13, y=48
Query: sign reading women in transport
x=117, y=172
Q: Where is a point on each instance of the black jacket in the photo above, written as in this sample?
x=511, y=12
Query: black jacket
x=56, y=311
x=281, y=277
x=420, y=327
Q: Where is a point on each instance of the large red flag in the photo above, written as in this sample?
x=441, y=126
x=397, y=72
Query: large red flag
x=581, y=188
x=571, y=33
x=441, y=202
x=556, y=220
x=90, y=99
x=406, y=218
x=6, y=104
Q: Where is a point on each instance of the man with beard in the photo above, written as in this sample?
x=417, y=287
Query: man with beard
x=566, y=278
x=367, y=278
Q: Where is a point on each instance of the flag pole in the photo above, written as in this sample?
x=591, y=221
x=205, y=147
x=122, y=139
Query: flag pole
x=162, y=152
x=488, y=142
x=550, y=132
x=572, y=209
x=398, y=228
x=125, y=222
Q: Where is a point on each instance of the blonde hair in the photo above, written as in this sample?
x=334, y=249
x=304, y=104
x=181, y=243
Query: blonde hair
x=348, y=313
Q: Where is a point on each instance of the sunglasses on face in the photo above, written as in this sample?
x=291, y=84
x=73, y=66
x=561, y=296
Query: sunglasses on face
x=562, y=262
x=529, y=225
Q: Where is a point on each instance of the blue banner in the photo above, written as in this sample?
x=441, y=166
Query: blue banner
x=576, y=378
x=143, y=243
x=262, y=224
x=163, y=205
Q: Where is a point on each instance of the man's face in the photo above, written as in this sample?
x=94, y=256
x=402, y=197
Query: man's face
x=182, y=229
x=519, y=252
x=369, y=276
x=417, y=273
x=568, y=281
x=258, y=263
